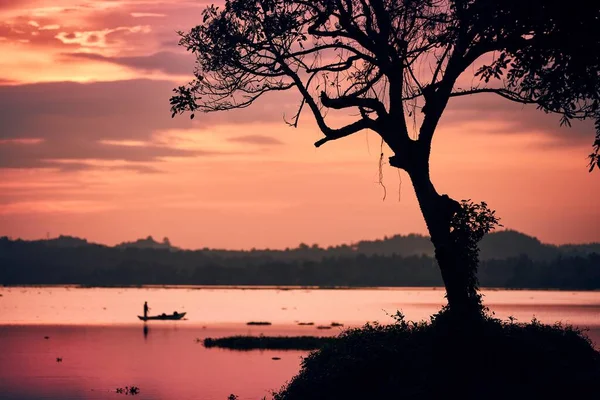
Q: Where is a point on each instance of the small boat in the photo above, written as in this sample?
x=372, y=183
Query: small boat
x=173, y=316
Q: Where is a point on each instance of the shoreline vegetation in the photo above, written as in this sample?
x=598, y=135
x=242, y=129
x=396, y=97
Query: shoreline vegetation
x=411, y=358
x=278, y=287
x=510, y=260
x=261, y=342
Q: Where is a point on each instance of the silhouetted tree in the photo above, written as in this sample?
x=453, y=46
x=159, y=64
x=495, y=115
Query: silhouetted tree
x=384, y=60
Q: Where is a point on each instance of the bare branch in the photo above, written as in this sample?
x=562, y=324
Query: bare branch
x=334, y=134
x=332, y=46
x=354, y=101
x=501, y=92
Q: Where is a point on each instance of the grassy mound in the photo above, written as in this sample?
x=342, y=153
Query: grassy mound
x=482, y=359
x=268, y=342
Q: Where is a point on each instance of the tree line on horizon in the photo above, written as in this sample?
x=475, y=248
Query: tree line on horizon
x=495, y=245
x=509, y=259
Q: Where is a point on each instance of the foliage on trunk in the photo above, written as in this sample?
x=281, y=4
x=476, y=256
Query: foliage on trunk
x=467, y=227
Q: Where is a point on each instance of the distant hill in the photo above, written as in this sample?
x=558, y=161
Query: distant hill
x=404, y=245
x=509, y=259
x=61, y=241
x=508, y=243
x=496, y=245
x=148, y=243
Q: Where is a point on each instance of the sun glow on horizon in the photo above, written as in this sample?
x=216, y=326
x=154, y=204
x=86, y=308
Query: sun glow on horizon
x=104, y=160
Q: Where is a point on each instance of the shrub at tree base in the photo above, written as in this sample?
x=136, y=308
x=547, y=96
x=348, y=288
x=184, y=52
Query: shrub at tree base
x=488, y=360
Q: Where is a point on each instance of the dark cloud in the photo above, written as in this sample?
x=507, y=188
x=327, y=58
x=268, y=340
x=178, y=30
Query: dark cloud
x=70, y=155
x=14, y=4
x=141, y=169
x=82, y=166
x=119, y=110
x=256, y=139
x=504, y=116
x=73, y=121
x=82, y=150
x=69, y=111
x=164, y=61
x=170, y=44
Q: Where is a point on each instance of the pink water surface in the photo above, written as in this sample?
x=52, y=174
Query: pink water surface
x=103, y=345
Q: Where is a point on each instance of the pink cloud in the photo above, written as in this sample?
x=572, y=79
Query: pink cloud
x=256, y=140
x=164, y=61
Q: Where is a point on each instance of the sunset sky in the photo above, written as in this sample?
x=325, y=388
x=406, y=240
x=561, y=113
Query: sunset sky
x=88, y=148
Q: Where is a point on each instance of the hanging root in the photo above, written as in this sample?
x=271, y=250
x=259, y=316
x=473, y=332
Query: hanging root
x=381, y=172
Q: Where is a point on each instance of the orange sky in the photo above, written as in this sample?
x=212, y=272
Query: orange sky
x=88, y=148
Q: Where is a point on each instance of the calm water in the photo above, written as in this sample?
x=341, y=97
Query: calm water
x=103, y=346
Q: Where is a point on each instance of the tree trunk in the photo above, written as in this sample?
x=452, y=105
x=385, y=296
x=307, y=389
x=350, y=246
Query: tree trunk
x=438, y=211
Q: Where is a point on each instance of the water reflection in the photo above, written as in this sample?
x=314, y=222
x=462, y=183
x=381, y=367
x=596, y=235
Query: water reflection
x=95, y=332
x=60, y=305
x=169, y=365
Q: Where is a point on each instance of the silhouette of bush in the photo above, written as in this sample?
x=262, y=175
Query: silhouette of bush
x=484, y=359
x=268, y=342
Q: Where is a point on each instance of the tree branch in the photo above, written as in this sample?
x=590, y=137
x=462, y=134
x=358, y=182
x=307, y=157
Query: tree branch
x=501, y=92
x=338, y=45
x=334, y=134
x=341, y=102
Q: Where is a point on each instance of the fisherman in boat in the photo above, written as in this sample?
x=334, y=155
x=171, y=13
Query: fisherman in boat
x=146, y=309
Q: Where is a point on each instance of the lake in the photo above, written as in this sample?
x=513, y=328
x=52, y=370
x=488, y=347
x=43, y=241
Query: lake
x=104, y=346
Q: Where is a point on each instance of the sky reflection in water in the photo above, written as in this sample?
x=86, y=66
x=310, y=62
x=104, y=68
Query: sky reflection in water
x=103, y=346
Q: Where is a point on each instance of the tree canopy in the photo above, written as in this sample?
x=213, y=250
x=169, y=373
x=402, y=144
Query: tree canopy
x=384, y=62
x=389, y=61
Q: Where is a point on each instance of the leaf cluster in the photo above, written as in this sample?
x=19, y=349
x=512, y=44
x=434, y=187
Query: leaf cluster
x=467, y=228
x=383, y=60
